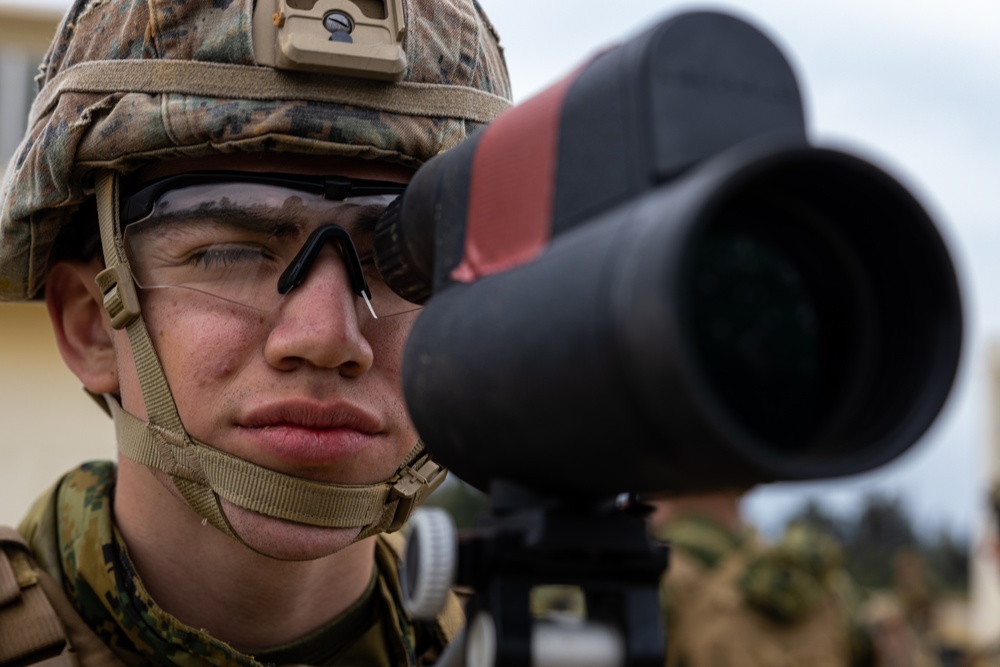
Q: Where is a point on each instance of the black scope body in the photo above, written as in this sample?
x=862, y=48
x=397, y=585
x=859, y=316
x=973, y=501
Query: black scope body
x=646, y=279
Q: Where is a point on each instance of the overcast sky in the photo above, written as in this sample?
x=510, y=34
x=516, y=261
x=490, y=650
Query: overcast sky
x=913, y=86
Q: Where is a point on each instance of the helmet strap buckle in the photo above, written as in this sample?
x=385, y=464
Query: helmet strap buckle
x=413, y=486
x=120, y=298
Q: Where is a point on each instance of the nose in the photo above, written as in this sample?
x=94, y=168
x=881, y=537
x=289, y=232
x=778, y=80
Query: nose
x=319, y=323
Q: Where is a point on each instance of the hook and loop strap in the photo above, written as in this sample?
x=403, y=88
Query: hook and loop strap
x=118, y=288
x=246, y=82
x=29, y=626
x=377, y=507
x=124, y=310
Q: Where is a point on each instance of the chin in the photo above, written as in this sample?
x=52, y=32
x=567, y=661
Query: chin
x=286, y=540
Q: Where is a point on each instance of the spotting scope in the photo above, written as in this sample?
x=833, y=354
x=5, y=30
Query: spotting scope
x=648, y=279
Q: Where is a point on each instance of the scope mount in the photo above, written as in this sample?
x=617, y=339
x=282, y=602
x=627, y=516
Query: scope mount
x=527, y=541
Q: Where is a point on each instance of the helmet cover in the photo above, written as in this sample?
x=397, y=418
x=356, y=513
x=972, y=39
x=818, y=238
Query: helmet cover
x=113, y=121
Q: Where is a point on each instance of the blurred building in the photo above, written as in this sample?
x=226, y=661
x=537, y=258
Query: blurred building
x=38, y=444
x=25, y=33
x=984, y=586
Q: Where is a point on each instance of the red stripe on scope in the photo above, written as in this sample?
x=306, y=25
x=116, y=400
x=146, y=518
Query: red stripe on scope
x=512, y=186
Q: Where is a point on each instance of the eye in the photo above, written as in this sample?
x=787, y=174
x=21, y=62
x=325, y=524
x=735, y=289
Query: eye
x=229, y=255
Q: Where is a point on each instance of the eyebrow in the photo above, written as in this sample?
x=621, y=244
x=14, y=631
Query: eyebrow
x=273, y=222
x=279, y=222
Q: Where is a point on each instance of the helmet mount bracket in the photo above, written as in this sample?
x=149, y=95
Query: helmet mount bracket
x=357, y=38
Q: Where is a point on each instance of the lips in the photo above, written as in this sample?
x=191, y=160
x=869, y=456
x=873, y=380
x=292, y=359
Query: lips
x=312, y=416
x=309, y=434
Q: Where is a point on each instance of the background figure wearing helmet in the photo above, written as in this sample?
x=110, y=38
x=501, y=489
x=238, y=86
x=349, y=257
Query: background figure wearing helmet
x=731, y=599
x=195, y=200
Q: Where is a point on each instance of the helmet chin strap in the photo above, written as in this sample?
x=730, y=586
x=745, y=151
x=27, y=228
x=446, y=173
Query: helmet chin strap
x=204, y=475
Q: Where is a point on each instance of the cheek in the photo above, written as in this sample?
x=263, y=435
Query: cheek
x=387, y=346
x=201, y=349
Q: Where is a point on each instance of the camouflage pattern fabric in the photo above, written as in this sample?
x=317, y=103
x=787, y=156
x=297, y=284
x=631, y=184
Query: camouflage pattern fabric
x=705, y=540
x=789, y=579
x=730, y=600
x=447, y=42
x=99, y=578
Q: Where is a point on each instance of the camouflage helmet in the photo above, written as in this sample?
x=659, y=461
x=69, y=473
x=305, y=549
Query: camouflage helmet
x=128, y=83
x=125, y=83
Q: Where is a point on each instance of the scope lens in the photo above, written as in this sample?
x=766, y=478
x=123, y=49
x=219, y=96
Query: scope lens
x=773, y=310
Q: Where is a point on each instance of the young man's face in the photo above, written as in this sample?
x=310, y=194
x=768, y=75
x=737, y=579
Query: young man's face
x=307, y=384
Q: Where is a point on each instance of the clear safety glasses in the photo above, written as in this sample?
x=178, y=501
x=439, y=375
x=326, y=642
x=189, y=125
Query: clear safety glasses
x=252, y=238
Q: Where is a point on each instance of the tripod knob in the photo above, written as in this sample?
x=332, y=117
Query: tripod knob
x=428, y=571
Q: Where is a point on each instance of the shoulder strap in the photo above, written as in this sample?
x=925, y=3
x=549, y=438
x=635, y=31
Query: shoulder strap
x=451, y=619
x=30, y=630
x=38, y=624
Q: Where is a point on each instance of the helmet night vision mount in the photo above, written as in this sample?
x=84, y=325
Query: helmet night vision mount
x=360, y=38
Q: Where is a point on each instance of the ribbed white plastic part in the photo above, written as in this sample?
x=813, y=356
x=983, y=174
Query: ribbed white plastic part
x=431, y=560
x=576, y=644
x=563, y=643
x=481, y=645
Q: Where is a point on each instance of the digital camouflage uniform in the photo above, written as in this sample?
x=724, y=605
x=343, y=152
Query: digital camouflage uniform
x=72, y=534
x=731, y=601
x=126, y=83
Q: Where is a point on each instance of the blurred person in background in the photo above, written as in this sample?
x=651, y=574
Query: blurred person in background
x=729, y=599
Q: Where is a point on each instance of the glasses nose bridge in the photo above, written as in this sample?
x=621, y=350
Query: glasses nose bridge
x=329, y=256
x=304, y=261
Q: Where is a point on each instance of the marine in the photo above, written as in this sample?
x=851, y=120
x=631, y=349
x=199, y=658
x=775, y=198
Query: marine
x=731, y=599
x=194, y=200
